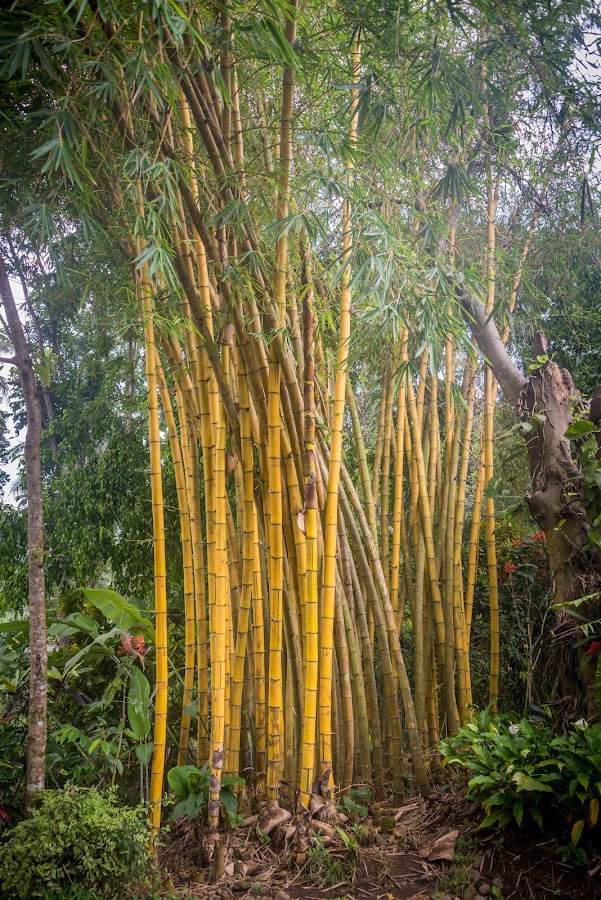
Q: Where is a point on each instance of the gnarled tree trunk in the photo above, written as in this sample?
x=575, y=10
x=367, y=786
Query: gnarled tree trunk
x=548, y=399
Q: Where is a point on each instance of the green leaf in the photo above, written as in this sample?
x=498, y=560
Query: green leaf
x=228, y=799
x=144, y=753
x=138, y=700
x=14, y=626
x=198, y=781
x=527, y=783
x=116, y=609
x=191, y=709
x=491, y=819
x=540, y=361
x=580, y=428
x=228, y=780
x=583, y=779
x=518, y=812
x=482, y=779
x=194, y=804
x=94, y=650
x=180, y=810
x=535, y=813
x=178, y=780
x=74, y=623
x=494, y=488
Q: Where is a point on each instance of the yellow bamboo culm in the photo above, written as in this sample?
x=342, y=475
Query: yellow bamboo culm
x=488, y=441
x=398, y=512
x=157, y=768
x=208, y=440
x=331, y=512
x=379, y=448
x=275, y=700
x=247, y=503
x=311, y=588
x=469, y=389
x=492, y=196
x=258, y=629
x=200, y=597
x=385, y=488
x=443, y=640
x=187, y=557
x=218, y=624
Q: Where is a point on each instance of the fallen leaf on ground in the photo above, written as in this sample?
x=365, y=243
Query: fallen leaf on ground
x=442, y=848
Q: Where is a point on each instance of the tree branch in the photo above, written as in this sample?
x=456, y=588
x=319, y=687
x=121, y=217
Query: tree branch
x=486, y=335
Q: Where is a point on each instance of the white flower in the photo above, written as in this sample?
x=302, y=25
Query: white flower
x=581, y=723
x=514, y=729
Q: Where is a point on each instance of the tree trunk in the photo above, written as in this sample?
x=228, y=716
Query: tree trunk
x=38, y=645
x=546, y=402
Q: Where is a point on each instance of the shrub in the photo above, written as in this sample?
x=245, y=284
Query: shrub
x=523, y=769
x=78, y=838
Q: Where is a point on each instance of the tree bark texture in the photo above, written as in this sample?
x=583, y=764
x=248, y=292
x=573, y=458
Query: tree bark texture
x=38, y=644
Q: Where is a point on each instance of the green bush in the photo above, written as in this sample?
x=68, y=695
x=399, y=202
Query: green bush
x=77, y=839
x=523, y=769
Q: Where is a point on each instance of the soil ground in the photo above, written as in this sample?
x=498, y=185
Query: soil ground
x=389, y=855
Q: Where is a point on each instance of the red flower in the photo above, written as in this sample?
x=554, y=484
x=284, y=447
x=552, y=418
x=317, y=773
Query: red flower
x=509, y=568
x=133, y=645
x=137, y=643
x=538, y=536
x=594, y=648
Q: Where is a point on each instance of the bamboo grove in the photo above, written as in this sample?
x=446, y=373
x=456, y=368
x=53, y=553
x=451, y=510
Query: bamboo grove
x=192, y=136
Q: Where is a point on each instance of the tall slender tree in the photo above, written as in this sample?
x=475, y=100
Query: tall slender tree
x=38, y=641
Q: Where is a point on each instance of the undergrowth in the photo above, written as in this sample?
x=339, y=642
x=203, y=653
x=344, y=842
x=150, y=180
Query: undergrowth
x=521, y=771
x=79, y=844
